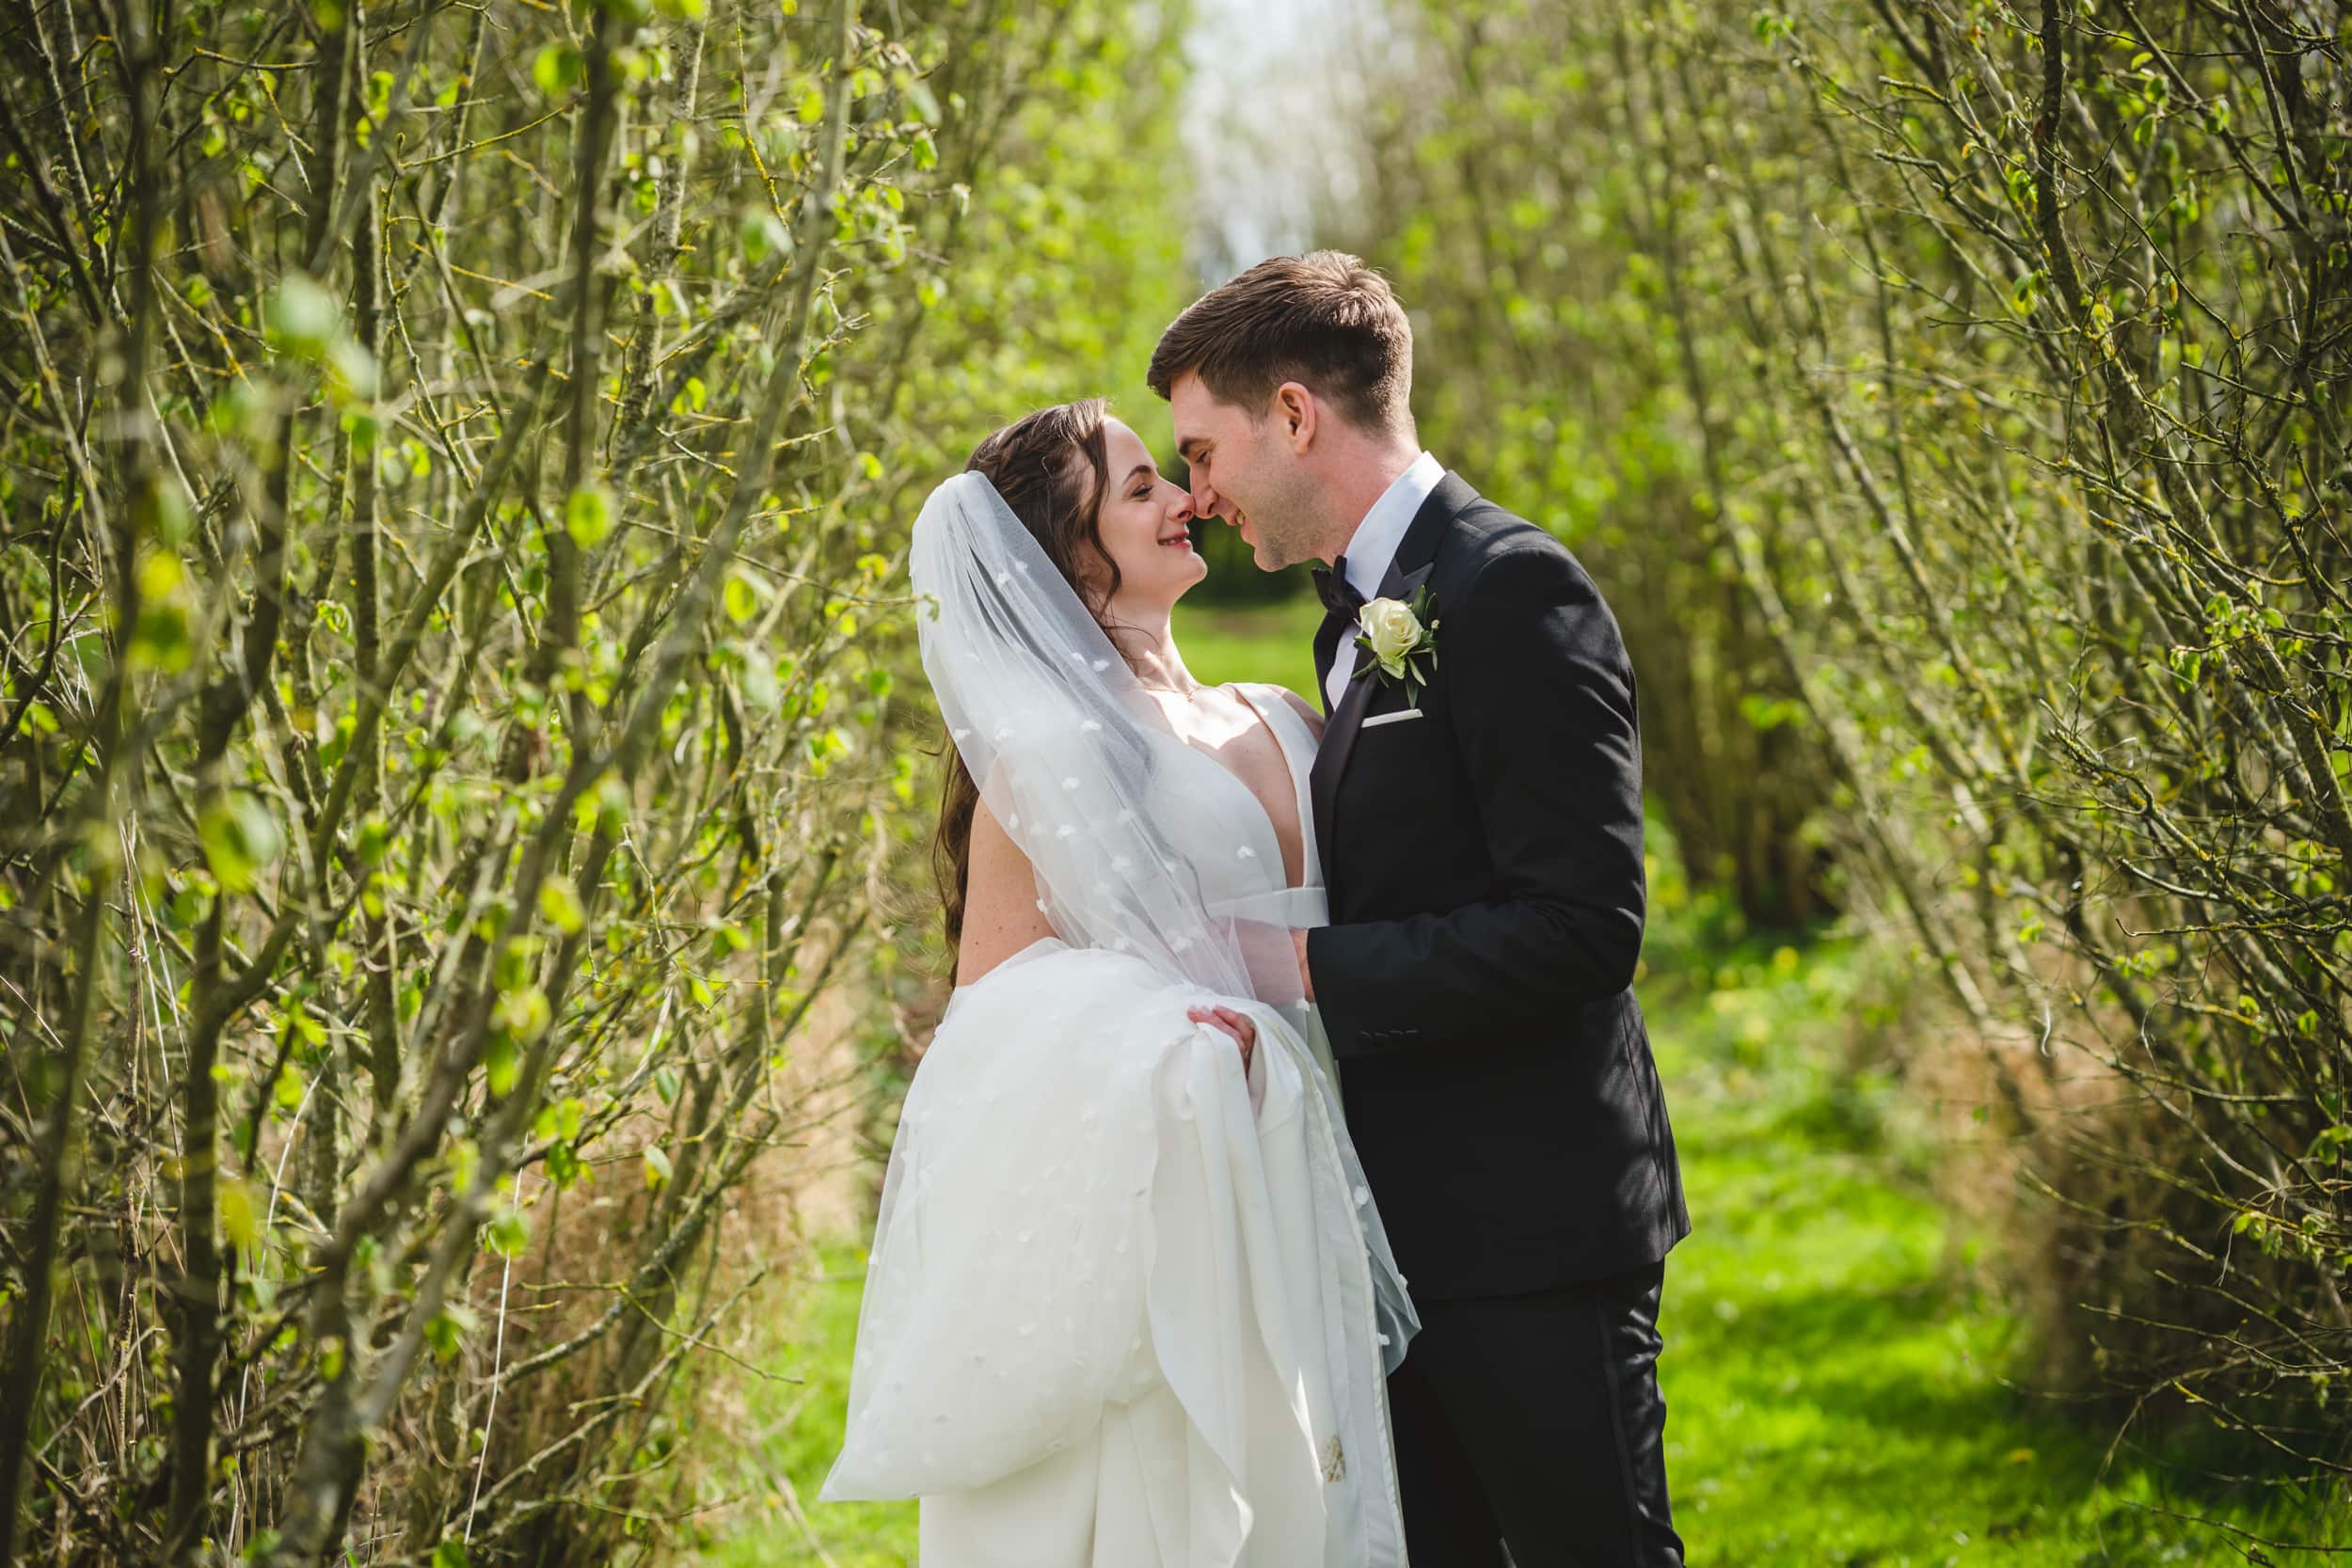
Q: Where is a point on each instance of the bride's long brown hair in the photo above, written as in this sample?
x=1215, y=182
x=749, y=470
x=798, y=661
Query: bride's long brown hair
x=1053, y=468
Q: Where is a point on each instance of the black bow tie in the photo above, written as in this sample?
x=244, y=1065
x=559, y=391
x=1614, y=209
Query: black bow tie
x=1338, y=595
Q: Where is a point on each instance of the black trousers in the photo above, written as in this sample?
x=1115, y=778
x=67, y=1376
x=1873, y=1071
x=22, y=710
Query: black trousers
x=1536, y=1421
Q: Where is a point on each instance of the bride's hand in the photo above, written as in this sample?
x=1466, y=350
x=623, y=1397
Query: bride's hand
x=1239, y=1025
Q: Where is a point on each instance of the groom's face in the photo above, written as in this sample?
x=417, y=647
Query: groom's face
x=1242, y=472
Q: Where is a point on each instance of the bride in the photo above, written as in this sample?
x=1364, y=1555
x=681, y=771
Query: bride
x=1129, y=1302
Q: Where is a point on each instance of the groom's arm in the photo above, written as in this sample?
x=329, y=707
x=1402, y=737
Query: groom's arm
x=1541, y=699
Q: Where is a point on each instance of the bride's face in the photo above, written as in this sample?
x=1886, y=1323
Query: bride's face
x=1146, y=527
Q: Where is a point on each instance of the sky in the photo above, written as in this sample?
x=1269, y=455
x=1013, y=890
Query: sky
x=1275, y=86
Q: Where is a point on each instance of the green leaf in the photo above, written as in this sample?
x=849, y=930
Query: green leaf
x=502, y=1062
x=588, y=516
x=758, y=680
x=163, y=514
x=240, y=838
x=239, y=1215
x=302, y=318
x=558, y=68
x=509, y=1234
x=160, y=637
x=742, y=602
x=559, y=902
x=656, y=1167
x=351, y=375
x=447, y=1330
x=523, y=1015
x=761, y=234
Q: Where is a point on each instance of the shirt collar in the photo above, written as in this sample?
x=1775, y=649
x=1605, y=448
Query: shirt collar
x=1383, y=528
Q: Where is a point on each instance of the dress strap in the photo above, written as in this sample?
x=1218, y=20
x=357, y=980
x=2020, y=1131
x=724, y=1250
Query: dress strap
x=1303, y=908
x=1298, y=742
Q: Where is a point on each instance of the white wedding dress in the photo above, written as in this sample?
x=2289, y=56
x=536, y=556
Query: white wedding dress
x=1126, y=1307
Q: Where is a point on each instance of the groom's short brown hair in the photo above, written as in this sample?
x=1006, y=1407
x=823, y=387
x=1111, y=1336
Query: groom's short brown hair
x=1324, y=320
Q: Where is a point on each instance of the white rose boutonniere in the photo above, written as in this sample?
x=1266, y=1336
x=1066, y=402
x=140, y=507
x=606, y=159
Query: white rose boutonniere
x=1401, y=639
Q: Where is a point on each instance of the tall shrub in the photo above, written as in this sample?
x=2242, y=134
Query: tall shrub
x=444, y=734
x=1968, y=385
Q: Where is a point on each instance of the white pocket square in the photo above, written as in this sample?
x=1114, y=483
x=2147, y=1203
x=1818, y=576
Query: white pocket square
x=1390, y=718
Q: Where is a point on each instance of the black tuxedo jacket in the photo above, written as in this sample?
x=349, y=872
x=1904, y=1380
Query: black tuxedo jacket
x=1484, y=867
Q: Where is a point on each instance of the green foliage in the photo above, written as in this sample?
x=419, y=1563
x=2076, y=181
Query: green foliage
x=1548, y=374
x=1949, y=398
x=458, y=463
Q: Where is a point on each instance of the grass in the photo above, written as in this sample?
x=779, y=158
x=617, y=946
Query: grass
x=1836, y=1390
x=1836, y=1393
x=799, y=1427
x=1276, y=642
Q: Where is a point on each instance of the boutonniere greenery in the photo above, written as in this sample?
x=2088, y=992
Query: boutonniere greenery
x=1401, y=637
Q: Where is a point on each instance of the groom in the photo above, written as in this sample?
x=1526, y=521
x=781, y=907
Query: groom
x=1478, y=805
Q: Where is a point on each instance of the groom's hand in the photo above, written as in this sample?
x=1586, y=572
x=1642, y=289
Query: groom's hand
x=1306, y=978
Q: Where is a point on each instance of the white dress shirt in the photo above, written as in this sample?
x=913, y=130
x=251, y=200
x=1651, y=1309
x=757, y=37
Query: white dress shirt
x=1373, y=546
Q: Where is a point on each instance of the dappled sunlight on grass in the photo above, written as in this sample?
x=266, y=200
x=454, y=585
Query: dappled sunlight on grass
x=1835, y=1396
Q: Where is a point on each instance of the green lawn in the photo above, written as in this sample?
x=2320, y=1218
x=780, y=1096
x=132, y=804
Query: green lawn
x=799, y=1425
x=1836, y=1398
x=1273, y=644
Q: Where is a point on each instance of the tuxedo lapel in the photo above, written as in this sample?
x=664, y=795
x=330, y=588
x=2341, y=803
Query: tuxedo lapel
x=1338, y=738
x=1329, y=636
x=1415, y=559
